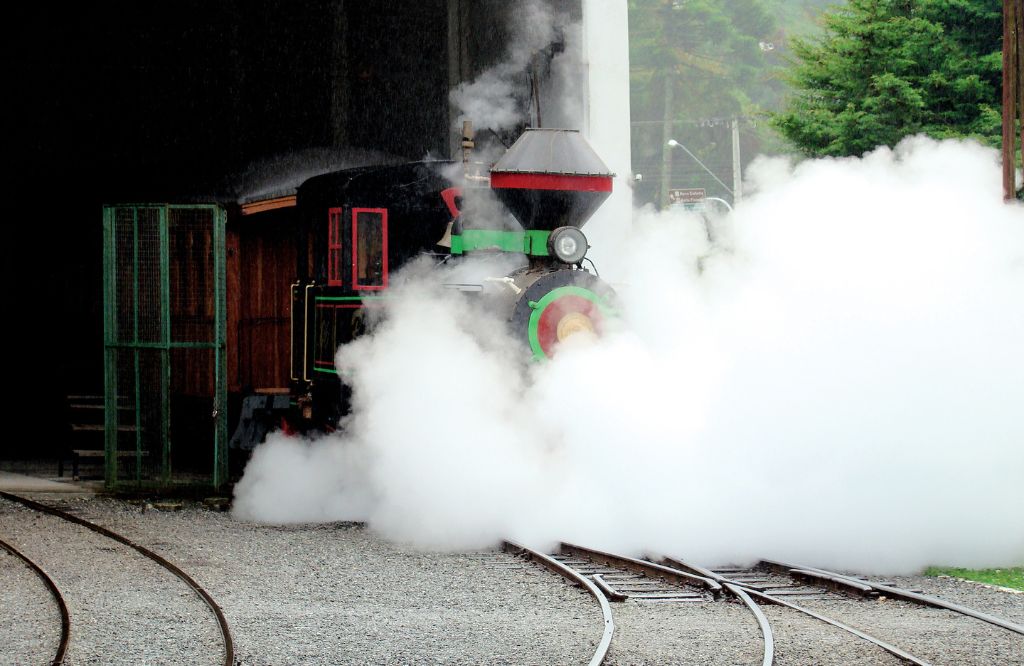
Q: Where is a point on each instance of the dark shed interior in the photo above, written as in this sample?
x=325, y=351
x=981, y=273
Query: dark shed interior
x=153, y=102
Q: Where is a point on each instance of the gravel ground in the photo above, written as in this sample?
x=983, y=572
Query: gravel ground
x=125, y=609
x=933, y=634
x=30, y=617
x=985, y=598
x=801, y=640
x=684, y=633
x=317, y=594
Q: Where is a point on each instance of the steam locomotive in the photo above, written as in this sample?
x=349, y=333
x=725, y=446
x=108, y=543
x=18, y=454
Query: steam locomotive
x=364, y=224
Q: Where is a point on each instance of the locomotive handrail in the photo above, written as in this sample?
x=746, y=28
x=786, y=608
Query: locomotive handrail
x=291, y=336
x=305, y=333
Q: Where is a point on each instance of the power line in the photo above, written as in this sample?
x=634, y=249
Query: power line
x=705, y=122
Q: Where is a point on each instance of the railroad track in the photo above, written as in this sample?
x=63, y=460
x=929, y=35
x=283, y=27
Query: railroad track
x=784, y=584
x=225, y=631
x=610, y=577
x=58, y=598
x=615, y=578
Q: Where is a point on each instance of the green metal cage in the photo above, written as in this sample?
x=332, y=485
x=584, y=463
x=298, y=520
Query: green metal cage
x=165, y=420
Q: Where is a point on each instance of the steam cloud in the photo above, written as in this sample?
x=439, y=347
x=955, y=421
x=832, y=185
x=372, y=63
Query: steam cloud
x=837, y=380
x=281, y=174
x=494, y=99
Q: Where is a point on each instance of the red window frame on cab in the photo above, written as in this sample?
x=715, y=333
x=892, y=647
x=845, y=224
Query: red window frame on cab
x=383, y=213
x=335, y=248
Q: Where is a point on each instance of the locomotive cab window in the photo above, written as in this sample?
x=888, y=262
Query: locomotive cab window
x=334, y=248
x=369, y=248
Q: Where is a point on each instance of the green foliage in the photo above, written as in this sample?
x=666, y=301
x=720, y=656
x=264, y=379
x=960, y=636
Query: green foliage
x=885, y=69
x=695, y=64
x=1012, y=577
x=798, y=17
x=710, y=49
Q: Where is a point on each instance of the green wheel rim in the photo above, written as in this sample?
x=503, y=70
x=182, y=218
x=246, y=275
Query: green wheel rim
x=548, y=299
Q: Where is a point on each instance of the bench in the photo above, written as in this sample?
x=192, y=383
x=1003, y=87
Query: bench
x=78, y=454
x=86, y=414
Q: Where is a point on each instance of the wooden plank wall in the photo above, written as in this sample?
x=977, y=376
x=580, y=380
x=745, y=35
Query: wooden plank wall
x=191, y=306
x=261, y=266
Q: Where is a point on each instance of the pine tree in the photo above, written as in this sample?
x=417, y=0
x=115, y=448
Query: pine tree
x=885, y=69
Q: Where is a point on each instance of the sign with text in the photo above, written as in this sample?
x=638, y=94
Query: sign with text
x=687, y=195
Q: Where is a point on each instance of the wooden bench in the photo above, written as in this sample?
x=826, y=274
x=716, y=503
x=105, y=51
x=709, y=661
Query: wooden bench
x=86, y=416
x=78, y=454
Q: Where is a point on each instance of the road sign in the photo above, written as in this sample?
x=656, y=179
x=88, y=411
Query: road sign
x=687, y=195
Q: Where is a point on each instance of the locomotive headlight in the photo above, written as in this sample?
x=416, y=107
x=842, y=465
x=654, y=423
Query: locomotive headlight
x=573, y=323
x=568, y=244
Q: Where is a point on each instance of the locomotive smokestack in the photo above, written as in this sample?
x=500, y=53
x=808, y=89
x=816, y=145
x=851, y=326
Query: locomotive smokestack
x=551, y=178
x=467, y=140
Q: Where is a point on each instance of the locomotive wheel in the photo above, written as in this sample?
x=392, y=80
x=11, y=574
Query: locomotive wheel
x=558, y=305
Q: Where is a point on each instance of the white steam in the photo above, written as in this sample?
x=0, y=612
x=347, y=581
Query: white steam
x=839, y=381
x=495, y=99
x=282, y=174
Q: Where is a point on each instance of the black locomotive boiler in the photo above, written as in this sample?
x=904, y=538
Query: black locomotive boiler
x=365, y=224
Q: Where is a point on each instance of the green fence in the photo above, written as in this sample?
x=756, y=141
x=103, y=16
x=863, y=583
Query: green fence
x=164, y=331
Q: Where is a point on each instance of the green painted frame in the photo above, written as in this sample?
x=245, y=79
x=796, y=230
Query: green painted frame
x=115, y=344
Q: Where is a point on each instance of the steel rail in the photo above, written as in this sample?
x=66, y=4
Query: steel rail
x=229, y=647
x=738, y=592
x=762, y=622
x=899, y=593
x=554, y=565
x=888, y=647
x=834, y=582
x=892, y=649
x=65, y=617
x=646, y=567
x=612, y=594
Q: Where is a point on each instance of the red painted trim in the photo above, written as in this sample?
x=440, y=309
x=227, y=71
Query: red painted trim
x=286, y=427
x=449, y=200
x=383, y=212
x=334, y=248
x=550, y=181
x=329, y=364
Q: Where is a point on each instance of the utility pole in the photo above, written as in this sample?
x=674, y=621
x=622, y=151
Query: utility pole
x=666, y=136
x=737, y=179
x=1013, y=104
x=458, y=66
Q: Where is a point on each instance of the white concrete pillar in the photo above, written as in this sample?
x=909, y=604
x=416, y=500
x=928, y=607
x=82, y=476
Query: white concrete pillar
x=606, y=105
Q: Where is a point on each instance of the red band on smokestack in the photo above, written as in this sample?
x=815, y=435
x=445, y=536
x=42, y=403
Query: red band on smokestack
x=550, y=181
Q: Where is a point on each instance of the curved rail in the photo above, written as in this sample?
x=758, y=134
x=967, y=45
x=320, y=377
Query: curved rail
x=888, y=647
x=705, y=579
x=738, y=592
x=559, y=568
x=899, y=593
x=892, y=649
x=229, y=646
x=65, y=617
x=646, y=567
x=762, y=622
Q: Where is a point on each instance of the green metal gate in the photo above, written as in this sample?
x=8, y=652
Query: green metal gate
x=164, y=333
